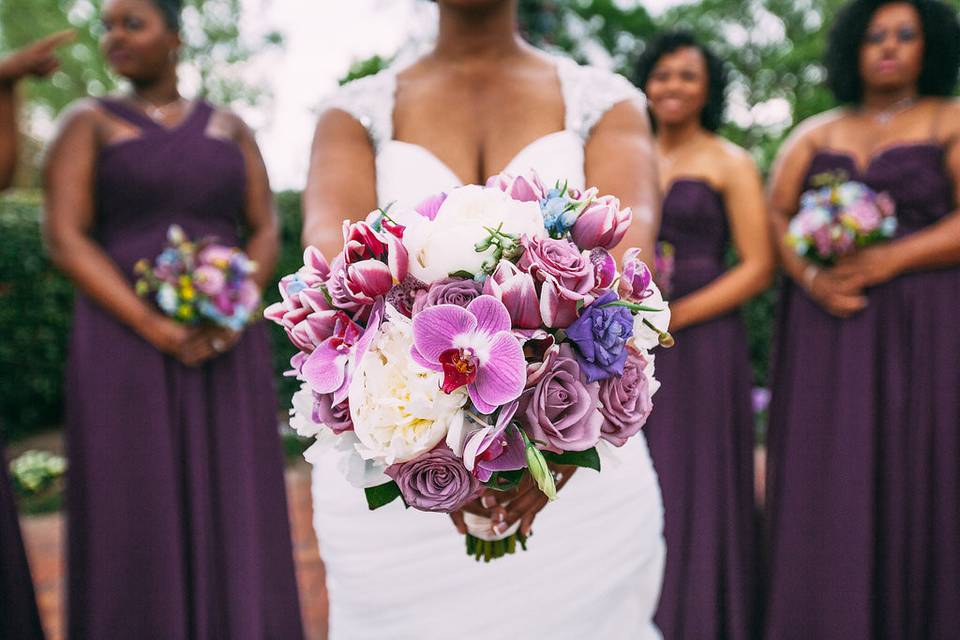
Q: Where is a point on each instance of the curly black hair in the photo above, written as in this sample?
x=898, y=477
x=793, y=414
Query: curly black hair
x=170, y=9
x=941, y=53
x=669, y=41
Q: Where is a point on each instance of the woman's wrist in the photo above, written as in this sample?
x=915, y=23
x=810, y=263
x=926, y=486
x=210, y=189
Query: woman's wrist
x=808, y=276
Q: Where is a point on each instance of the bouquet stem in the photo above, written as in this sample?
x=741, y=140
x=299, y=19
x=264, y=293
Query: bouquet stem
x=488, y=550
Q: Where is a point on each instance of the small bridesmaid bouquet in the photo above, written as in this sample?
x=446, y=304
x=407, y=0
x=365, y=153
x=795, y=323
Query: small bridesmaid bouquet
x=200, y=282
x=839, y=217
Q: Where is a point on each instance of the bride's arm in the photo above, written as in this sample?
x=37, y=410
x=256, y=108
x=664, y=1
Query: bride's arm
x=619, y=160
x=341, y=181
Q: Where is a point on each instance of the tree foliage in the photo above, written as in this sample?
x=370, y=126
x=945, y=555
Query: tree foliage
x=213, y=49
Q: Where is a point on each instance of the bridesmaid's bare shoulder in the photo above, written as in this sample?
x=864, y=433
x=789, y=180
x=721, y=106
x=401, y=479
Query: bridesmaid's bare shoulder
x=812, y=132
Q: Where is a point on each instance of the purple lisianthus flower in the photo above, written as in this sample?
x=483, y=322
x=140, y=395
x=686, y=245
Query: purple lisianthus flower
x=447, y=291
x=600, y=335
x=625, y=401
x=335, y=417
x=561, y=410
x=435, y=481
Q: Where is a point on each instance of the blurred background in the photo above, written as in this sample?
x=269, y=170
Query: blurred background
x=275, y=60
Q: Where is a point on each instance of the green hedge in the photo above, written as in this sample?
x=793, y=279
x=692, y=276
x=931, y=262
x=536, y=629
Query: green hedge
x=35, y=308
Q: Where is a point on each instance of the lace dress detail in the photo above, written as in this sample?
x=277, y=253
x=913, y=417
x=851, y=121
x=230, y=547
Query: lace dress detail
x=589, y=92
x=370, y=101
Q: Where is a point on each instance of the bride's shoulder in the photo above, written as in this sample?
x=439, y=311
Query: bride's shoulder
x=591, y=91
x=368, y=100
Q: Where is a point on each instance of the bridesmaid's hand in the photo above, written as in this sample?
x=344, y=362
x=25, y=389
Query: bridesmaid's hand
x=840, y=294
x=874, y=265
x=204, y=343
x=167, y=336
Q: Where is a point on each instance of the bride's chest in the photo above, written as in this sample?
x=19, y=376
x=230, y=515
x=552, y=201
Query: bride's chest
x=473, y=128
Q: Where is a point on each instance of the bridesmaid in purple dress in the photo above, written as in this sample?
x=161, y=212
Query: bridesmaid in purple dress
x=178, y=523
x=865, y=419
x=18, y=608
x=701, y=434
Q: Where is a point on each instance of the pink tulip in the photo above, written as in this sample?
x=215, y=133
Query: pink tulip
x=602, y=224
x=518, y=293
x=525, y=188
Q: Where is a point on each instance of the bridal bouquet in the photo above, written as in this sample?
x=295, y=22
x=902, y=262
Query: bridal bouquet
x=462, y=345
x=194, y=282
x=839, y=217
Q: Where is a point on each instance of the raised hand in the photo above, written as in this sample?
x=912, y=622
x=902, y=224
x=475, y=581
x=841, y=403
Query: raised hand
x=35, y=59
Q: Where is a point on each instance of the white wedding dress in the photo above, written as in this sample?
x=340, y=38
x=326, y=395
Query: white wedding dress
x=595, y=563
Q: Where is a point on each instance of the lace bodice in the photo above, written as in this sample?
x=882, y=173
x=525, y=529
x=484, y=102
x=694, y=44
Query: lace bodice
x=407, y=173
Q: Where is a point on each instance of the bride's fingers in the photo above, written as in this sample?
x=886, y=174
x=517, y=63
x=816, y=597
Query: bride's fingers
x=457, y=517
x=526, y=524
x=528, y=504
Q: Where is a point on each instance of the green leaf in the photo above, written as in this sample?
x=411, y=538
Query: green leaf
x=382, y=495
x=504, y=480
x=589, y=458
x=462, y=274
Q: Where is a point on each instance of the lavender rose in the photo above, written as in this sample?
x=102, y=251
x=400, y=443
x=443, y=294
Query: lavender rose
x=561, y=409
x=626, y=402
x=435, y=481
x=334, y=417
x=447, y=291
x=567, y=275
x=600, y=335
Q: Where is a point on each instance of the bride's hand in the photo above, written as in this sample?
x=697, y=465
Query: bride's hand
x=505, y=508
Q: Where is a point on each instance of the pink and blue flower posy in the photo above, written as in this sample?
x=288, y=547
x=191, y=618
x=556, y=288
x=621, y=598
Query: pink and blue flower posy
x=200, y=282
x=468, y=342
x=838, y=218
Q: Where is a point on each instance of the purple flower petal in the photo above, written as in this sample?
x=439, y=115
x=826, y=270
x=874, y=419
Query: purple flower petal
x=325, y=368
x=434, y=329
x=492, y=316
x=501, y=379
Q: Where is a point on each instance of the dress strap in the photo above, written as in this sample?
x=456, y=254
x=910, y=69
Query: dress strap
x=197, y=116
x=589, y=92
x=369, y=100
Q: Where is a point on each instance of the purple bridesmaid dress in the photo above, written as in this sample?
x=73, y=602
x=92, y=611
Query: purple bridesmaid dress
x=178, y=524
x=701, y=440
x=864, y=471
x=18, y=609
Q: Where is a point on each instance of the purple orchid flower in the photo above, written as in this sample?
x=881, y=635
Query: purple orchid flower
x=472, y=347
x=498, y=447
x=328, y=369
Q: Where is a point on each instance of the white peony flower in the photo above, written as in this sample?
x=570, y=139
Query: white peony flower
x=359, y=472
x=643, y=336
x=398, y=409
x=446, y=244
x=301, y=415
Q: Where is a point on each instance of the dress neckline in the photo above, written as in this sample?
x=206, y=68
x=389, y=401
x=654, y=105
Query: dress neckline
x=557, y=61
x=138, y=117
x=456, y=180
x=862, y=170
